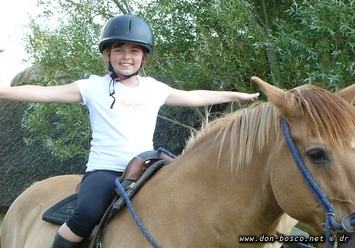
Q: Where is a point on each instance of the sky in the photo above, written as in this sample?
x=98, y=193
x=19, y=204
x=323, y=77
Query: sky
x=14, y=16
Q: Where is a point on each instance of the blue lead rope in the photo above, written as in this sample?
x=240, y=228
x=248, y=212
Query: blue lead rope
x=130, y=207
x=160, y=149
x=135, y=217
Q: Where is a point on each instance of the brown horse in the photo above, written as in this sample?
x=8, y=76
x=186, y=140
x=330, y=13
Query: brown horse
x=235, y=179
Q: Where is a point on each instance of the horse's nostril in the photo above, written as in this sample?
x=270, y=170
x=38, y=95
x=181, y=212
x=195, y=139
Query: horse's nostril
x=348, y=222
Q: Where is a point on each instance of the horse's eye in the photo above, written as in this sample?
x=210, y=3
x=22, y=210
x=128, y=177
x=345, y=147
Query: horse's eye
x=318, y=156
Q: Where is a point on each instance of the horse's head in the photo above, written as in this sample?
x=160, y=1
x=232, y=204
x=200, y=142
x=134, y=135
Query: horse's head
x=322, y=127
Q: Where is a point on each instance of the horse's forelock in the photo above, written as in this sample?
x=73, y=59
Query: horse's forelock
x=329, y=116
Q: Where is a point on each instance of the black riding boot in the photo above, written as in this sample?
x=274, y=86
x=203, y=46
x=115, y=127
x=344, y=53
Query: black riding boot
x=60, y=242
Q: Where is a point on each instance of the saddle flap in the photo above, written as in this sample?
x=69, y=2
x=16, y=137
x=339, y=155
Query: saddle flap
x=143, y=161
x=133, y=170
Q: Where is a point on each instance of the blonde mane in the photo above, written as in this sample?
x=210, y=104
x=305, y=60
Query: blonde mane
x=249, y=130
x=246, y=129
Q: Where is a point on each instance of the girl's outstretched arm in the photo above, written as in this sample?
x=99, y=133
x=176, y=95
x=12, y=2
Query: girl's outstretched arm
x=32, y=93
x=198, y=98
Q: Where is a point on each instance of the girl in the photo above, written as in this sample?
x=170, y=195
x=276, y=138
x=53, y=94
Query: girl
x=123, y=109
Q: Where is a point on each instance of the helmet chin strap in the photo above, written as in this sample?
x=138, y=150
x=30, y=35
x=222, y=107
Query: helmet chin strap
x=115, y=77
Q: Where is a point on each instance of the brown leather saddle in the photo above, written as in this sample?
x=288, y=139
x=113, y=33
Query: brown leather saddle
x=136, y=174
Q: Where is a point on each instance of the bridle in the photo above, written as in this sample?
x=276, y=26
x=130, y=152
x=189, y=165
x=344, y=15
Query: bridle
x=331, y=225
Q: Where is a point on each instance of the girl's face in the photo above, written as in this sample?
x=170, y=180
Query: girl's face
x=126, y=58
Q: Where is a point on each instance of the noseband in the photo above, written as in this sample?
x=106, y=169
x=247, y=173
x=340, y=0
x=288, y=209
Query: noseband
x=330, y=222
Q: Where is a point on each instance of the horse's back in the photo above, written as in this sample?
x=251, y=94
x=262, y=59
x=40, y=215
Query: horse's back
x=23, y=225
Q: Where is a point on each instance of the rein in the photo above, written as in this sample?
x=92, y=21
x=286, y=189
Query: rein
x=330, y=222
x=134, y=215
x=125, y=197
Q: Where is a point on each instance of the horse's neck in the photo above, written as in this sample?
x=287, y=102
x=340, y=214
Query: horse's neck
x=244, y=194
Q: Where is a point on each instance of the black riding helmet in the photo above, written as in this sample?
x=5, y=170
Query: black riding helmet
x=127, y=28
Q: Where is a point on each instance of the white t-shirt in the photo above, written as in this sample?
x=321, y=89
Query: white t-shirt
x=120, y=133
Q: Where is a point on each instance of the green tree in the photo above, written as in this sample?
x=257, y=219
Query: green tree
x=225, y=42
x=318, y=46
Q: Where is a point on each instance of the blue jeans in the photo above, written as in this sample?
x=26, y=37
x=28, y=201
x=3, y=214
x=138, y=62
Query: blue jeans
x=95, y=196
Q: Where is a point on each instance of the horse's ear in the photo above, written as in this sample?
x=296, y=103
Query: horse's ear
x=284, y=102
x=348, y=94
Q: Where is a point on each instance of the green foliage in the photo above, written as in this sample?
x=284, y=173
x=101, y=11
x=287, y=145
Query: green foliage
x=204, y=44
x=221, y=44
x=319, y=45
x=64, y=129
x=209, y=44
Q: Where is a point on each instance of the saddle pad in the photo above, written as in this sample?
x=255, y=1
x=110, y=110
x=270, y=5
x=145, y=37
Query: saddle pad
x=61, y=211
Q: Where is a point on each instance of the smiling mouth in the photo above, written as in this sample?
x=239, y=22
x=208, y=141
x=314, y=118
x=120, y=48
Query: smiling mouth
x=125, y=65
